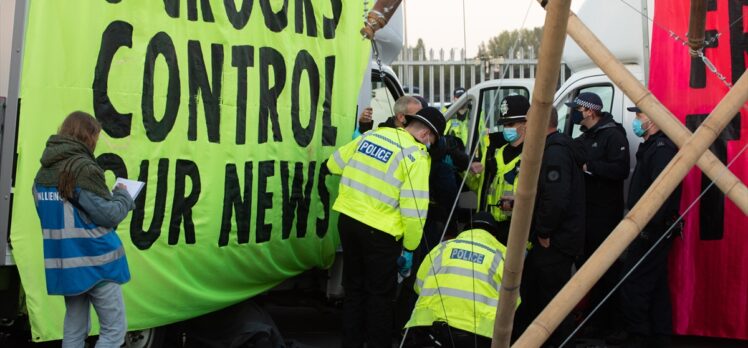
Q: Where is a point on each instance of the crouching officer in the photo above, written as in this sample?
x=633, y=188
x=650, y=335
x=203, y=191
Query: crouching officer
x=383, y=199
x=458, y=285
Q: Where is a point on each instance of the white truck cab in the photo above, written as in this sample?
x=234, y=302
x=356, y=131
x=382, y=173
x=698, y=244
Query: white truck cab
x=631, y=47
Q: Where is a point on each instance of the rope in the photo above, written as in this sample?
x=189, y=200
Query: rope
x=464, y=177
x=375, y=49
x=664, y=235
x=472, y=236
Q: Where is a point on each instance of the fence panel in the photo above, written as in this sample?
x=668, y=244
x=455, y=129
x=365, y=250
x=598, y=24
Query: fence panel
x=434, y=75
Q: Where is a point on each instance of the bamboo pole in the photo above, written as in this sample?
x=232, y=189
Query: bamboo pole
x=637, y=218
x=696, y=25
x=658, y=113
x=549, y=63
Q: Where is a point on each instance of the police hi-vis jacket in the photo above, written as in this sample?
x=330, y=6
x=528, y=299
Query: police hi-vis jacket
x=79, y=253
x=385, y=182
x=461, y=276
x=504, y=183
x=457, y=128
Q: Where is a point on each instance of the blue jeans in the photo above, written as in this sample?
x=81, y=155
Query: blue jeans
x=106, y=298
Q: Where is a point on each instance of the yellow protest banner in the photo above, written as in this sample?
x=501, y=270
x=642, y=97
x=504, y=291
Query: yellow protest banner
x=225, y=109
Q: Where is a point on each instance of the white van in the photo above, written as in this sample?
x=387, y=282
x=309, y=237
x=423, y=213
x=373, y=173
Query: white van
x=628, y=46
x=484, y=99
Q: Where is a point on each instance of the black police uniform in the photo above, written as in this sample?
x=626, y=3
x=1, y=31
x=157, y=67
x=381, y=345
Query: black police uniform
x=645, y=298
x=559, y=215
x=607, y=158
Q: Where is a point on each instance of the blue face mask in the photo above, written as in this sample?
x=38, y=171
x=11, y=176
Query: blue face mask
x=576, y=116
x=636, y=125
x=510, y=134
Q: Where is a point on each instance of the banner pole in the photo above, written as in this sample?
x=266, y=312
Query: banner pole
x=696, y=25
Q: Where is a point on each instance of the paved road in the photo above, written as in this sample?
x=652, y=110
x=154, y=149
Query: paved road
x=310, y=323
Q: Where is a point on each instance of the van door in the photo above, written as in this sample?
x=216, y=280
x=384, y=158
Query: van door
x=486, y=115
x=379, y=92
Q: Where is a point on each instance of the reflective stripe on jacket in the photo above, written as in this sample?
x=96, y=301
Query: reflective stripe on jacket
x=384, y=183
x=468, y=272
x=503, y=184
x=78, y=254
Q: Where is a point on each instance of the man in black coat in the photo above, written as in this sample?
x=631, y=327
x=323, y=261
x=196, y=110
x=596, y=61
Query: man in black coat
x=557, y=232
x=606, y=166
x=645, y=296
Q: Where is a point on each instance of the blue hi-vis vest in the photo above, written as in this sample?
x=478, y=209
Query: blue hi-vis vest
x=78, y=254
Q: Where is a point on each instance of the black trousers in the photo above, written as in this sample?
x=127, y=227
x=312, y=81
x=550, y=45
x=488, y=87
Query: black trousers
x=598, y=227
x=546, y=271
x=370, y=283
x=647, y=310
x=442, y=335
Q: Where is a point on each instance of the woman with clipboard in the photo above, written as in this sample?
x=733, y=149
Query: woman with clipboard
x=84, y=259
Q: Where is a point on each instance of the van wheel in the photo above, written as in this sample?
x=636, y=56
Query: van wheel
x=148, y=338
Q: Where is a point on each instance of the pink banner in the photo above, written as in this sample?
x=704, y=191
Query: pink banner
x=709, y=266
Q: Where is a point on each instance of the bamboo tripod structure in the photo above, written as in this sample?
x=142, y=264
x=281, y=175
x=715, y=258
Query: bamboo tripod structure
x=665, y=120
x=639, y=216
x=551, y=48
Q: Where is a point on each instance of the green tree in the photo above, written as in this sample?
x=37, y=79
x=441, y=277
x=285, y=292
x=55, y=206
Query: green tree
x=518, y=43
x=420, y=47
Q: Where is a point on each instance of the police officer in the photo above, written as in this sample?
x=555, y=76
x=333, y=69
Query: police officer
x=557, y=232
x=606, y=166
x=382, y=200
x=483, y=166
x=458, y=125
x=503, y=172
x=458, y=286
x=645, y=296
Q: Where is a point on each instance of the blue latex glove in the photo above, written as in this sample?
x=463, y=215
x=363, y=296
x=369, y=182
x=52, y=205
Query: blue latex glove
x=356, y=133
x=404, y=263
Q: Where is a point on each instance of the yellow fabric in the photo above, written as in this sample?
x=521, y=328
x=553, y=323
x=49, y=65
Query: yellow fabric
x=457, y=128
x=384, y=183
x=475, y=181
x=499, y=185
x=468, y=272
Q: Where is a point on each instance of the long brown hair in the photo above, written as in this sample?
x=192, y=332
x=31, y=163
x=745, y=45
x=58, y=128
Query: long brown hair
x=85, y=128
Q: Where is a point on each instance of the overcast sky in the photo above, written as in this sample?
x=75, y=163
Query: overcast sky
x=439, y=22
